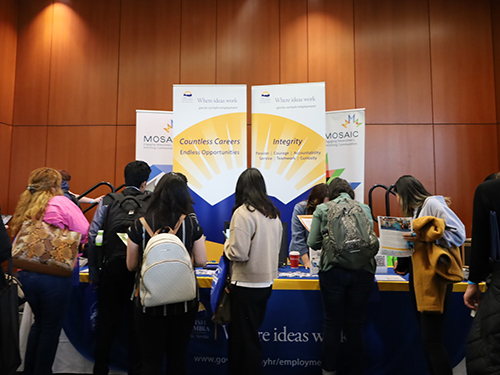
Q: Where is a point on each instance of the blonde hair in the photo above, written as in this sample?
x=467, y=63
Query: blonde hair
x=43, y=184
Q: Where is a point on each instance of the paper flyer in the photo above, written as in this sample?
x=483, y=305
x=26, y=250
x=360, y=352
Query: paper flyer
x=391, y=230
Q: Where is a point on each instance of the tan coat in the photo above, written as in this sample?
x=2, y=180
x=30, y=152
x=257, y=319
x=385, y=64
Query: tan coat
x=434, y=267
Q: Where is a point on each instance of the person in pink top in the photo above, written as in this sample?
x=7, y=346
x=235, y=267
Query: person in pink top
x=47, y=295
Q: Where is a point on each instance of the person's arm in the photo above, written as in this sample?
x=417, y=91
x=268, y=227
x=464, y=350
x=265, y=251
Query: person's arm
x=315, y=239
x=199, y=252
x=5, y=244
x=241, y=230
x=132, y=255
x=454, y=232
x=299, y=236
x=93, y=252
x=87, y=199
x=472, y=297
x=481, y=238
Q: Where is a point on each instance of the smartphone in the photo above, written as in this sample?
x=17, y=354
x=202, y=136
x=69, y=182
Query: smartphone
x=6, y=219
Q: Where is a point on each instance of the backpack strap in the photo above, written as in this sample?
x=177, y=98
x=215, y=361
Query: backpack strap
x=146, y=225
x=178, y=225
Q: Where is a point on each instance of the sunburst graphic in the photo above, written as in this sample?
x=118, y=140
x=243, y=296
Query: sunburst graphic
x=289, y=154
x=212, y=154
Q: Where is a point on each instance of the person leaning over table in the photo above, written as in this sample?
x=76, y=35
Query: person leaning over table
x=253, y=248
x=345, y=293
x=318, y=195
x=417, y=202
x=47, y=295
x=483, y=346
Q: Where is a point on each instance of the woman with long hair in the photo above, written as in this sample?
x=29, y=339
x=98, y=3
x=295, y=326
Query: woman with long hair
x=165, y=330
x=345, y=292
x=47, y=295
x=318, y=195
x=253, y=248
x=416, y=201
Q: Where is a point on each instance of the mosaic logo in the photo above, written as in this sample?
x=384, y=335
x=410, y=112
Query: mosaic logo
x=351, y=120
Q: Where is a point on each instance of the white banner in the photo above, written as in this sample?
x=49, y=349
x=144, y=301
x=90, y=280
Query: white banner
x=288, y=144
x=154, y=142
x=210, y=141
x=345, y=148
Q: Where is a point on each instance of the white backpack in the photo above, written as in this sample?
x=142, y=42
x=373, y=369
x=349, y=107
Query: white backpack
x=167, y=273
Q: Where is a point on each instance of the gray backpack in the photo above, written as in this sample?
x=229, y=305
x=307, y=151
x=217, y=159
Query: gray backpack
x=348, y=241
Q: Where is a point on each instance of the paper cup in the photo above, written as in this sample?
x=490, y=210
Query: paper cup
x=294, y=259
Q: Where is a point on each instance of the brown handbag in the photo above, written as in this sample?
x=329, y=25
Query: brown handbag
x=44, y=248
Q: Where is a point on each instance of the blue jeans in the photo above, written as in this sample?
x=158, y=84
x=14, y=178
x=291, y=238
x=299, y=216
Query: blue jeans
x=48, y=297
x=345, y=295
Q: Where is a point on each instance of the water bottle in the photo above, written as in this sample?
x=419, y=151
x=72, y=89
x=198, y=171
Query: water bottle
x=98, y=238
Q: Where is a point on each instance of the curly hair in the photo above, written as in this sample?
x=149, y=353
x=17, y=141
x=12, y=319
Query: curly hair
x=43, y=184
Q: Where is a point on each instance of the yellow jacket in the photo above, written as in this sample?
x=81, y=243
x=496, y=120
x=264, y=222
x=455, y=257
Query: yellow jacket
x=433, y=266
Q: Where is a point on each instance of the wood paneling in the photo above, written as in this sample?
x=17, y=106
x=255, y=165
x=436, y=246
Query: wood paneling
x=125, y=151
x=462, y=62
x=33, y=62
x=29, y=144
x=331, y=50
x=464, y=156
x=8, y=41
x=198, y=41
x=293, y=41
x=84, y=68
x=248, y=49
x=5, y=149
x=149, y=56
x=88, y=164
x=393, y=76
x=495, y=21
x=393, y=151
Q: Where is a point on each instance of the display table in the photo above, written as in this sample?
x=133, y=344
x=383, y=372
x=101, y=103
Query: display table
x=292, y=330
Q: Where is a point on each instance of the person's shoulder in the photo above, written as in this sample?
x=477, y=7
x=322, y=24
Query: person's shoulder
x=60, y=201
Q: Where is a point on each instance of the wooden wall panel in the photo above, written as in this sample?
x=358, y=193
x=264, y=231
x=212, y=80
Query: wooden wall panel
x=331, y=50
x=8, y=40
x=84, y=68
x=5, y=149
x=465, y=155
x=495, y=22
x=393, y=77
x=198, y=41
x=29, y=146
x=293, y=41
x=149, y=56
x=125, y=151
x=248, y=49
x=462, y=62
x=33, y=62
x=393, y=151
x=89, y=164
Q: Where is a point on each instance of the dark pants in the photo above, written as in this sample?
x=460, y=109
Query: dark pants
x=161, y=336
x=48, y=297
x=345, y=296
x=432, y=333
x=116, y=285
x=248, y=309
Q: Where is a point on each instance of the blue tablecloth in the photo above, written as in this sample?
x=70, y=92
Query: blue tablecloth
x=292, y=331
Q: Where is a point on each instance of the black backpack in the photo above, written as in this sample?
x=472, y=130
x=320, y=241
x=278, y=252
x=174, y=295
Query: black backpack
x=122, y=211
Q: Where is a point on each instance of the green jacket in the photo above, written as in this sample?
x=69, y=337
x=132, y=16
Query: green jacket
x=319, y=226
